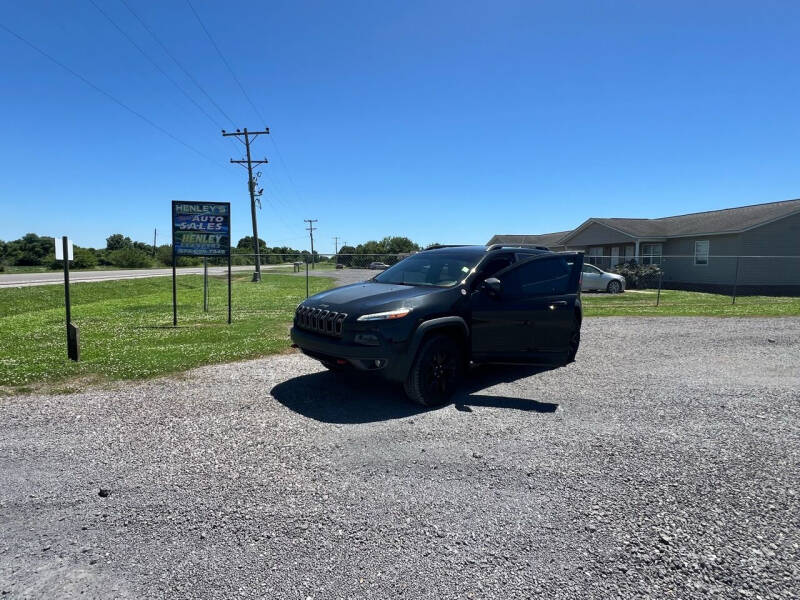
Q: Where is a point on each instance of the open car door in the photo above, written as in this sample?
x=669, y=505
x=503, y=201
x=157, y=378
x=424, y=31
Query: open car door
x=531, y=313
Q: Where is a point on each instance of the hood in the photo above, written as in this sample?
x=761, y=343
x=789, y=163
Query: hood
x=368, y=297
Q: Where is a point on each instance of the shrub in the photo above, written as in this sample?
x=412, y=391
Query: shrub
x=129, y=258
x=84, y=259
x=638, y=276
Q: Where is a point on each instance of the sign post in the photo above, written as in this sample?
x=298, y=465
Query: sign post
x=200, y=229
x=63, y=252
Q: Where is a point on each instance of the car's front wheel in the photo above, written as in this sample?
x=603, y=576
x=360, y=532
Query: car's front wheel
x=436, y=372
x=614, y=287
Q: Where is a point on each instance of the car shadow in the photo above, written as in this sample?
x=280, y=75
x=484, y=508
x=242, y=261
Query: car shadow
x=364, y=398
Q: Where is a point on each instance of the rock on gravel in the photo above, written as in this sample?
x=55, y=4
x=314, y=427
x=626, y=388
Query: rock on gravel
x=662, y=464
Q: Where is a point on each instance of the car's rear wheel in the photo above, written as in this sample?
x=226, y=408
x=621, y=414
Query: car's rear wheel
x=614, y=287
x=436, y=372
x=574, y=341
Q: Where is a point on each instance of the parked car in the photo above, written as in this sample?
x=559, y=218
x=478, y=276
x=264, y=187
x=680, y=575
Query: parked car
x=595, y=279
x=423, y=321
x=378, y=266
x=339, y=266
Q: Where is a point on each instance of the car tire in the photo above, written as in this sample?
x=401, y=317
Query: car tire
x=436, y=372
x=574, y=341
x=614, y=287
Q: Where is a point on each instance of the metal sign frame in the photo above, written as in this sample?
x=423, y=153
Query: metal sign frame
x=208, y=219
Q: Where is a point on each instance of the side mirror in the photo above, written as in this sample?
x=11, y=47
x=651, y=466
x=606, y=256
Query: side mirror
x=493, y=286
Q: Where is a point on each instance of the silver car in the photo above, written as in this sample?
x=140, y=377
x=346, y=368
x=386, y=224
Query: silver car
x=595, y=279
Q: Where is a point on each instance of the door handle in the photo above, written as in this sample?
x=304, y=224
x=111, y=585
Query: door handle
x=557, y=304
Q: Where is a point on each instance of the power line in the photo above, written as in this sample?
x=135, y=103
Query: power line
x=175, y=60
x=108, y=95
x=227, y=64
x=155, y=65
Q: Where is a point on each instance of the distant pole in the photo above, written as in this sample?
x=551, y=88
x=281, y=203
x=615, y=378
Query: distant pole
x=658, y=296
x=735, y=281
x=336, y=244
x=155, y=237
x=251, y=186
x=306, y=279
x=311, y=229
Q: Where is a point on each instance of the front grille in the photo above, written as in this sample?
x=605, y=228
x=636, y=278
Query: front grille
x=326, y=322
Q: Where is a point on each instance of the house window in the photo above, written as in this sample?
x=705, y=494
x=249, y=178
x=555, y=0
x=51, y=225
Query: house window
x=701, y=252
x=595, y=255
x=651, y=254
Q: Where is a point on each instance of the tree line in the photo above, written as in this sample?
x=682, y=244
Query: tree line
x=32, y=250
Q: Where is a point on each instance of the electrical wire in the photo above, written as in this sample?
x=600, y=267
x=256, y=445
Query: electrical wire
x=227, y=64
x=177, y=63
x=109, y=96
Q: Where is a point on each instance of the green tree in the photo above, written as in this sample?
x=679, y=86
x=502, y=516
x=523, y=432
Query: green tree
x=118, y=241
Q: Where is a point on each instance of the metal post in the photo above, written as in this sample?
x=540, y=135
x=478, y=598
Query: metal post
x=229, y=288
x=658, y=296
x=73, y=351
x=306, y=278
x=205, y=284
x=174, y=290
x=735, y=281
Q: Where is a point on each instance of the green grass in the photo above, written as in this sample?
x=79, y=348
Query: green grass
x=674, y=303
x=126, y=327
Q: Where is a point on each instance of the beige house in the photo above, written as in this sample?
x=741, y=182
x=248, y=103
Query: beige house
x=756, y=247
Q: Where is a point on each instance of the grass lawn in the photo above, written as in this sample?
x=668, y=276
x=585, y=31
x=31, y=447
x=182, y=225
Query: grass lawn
x=126, y=327
x=674, y=303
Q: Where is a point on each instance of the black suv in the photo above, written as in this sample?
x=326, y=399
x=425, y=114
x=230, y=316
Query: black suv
x=423, y=320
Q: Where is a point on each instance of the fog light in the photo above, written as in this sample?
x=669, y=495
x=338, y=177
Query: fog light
x=378, y=363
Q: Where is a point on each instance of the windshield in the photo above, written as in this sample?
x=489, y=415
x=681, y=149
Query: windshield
x=441, y=270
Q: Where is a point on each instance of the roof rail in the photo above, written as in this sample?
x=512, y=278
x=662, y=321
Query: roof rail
x=436, y=246
x=499, y=246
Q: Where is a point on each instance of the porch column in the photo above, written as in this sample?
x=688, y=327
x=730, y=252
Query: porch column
x=636, y=252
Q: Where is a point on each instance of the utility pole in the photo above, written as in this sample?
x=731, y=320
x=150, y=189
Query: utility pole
x=251, y=185
x=336, y=244
x=311, y=229
x=155, y=235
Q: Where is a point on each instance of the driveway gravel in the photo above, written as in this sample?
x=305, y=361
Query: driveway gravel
x=662, y=464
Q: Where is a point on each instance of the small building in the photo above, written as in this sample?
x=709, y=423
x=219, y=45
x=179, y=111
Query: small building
x=755, y=247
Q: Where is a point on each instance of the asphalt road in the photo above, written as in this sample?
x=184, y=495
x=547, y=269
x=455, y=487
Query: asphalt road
x=53, y=277
x=662, y=464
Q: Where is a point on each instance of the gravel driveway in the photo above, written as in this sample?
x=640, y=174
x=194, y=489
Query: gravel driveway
x=663, y=464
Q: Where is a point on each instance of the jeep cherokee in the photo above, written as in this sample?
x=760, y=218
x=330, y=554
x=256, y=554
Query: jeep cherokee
x=422, y=321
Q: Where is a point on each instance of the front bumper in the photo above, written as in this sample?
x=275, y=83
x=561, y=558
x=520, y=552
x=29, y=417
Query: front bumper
x=387, y=359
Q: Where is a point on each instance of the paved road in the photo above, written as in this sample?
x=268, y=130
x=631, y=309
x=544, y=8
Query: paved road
x=53, y=277
x=662, y=464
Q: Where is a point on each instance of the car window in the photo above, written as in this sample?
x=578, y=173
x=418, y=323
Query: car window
x=545, y=276
x=591, y=269
x=427, y=269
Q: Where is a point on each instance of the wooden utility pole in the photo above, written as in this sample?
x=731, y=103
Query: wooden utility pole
x=251, y=185
x=336, y=244
x=311, y=229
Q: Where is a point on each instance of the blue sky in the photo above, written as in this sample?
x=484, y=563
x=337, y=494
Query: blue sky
x=442, y=121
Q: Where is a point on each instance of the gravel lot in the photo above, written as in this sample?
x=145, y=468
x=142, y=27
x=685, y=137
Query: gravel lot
x=663, y=464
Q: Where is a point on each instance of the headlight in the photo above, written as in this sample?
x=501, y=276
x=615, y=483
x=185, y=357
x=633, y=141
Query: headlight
x=382, y=316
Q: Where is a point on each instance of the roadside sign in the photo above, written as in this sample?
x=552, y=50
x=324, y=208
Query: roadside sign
x=201, y=228
x=60, y=249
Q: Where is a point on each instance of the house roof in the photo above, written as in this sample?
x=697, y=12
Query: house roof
x=544, y=239
x=728, y=220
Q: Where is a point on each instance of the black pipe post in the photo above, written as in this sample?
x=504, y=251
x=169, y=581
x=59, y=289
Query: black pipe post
x=306, y=278
x=73, y=349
